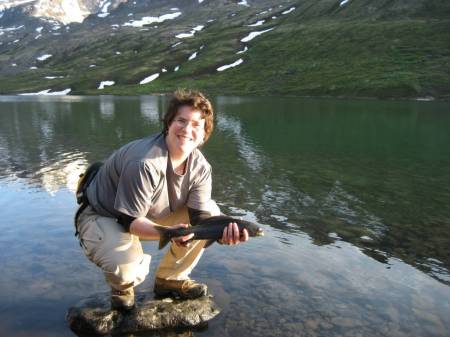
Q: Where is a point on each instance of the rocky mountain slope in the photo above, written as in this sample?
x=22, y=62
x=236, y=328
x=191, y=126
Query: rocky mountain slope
x=64, y=11
x=384, y=48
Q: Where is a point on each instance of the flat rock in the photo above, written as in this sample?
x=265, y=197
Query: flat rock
x=94, y=316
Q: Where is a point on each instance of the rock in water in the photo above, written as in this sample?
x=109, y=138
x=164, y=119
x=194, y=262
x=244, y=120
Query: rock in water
x=93, y=315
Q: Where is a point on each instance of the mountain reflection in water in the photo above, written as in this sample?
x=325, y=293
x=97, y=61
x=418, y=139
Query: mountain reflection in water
x=353, y=196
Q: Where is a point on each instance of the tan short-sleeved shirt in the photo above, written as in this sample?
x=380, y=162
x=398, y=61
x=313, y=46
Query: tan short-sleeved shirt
x=138, y=180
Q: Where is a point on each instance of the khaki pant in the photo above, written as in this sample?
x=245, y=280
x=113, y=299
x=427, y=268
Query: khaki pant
x=119, y=254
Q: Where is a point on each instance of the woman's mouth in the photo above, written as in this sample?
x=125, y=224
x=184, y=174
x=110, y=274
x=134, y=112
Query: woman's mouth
x=184, y=138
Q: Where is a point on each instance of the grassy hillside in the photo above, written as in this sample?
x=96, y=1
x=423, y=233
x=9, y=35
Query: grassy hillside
x=394, y=49
x=382, y=59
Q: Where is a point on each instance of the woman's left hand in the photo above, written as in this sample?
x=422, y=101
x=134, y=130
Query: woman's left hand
x=232, y=236
x=182, y=241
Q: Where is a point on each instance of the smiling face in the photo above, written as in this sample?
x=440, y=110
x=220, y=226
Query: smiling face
x=186, y=132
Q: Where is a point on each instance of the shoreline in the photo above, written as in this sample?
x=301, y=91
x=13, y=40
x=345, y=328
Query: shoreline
x=231, y=94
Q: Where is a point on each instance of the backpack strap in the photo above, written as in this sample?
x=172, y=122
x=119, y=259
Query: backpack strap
x=85, y=180
x=83, y=183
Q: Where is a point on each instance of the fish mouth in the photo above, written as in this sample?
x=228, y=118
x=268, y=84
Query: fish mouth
x=259, y=232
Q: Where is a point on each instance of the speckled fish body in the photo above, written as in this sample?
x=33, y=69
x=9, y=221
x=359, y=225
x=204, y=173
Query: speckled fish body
x=208, y=229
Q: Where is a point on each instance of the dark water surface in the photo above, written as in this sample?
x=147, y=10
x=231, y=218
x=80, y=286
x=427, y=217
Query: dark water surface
x=354, y=197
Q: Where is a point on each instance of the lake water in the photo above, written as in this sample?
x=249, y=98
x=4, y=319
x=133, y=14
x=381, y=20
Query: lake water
x=354, y=197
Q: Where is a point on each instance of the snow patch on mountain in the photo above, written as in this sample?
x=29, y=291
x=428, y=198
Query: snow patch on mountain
x=193, y=56
x=8, y=4
x=104, y=5
x=149, y=78
x=252, y=35
x=257, y=23
x=288, y=11
x=104, y=84
x=234, y=64
x=191, y=33
x=147, y=20
x=243, y=50
x=44, y=57
x=243, y=3
x=11, y=29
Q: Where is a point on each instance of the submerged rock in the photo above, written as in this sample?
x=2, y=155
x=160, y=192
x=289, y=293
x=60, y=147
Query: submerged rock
x=93, y=315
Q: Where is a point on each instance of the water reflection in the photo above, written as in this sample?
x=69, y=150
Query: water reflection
x=278, y=197
x=48, y=140
x=360, y=171
x=246, y=150
x=347, y=207
x=149, y=109
x=353, y=197
x=107, y=107
x=62, y=174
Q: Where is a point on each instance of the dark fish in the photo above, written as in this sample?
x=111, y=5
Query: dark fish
x=208, y=229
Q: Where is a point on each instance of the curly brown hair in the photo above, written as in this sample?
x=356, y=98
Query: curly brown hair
x=194, y=99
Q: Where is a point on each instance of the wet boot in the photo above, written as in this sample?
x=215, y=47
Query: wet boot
x=185, y=289
x=122, y=299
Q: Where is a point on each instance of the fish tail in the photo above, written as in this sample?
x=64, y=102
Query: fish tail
x=164, y=236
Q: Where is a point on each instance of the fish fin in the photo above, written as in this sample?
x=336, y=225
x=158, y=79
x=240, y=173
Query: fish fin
x=163, y=241
x=164, y=237
x=209, y=243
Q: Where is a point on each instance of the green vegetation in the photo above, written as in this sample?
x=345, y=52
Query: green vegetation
x=381, y=59
x=317, y=50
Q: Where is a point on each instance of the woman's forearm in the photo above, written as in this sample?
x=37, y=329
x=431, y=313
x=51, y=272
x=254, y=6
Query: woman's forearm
x=144, y=228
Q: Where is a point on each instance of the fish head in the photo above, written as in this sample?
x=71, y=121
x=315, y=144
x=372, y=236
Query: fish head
x=252, y=228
